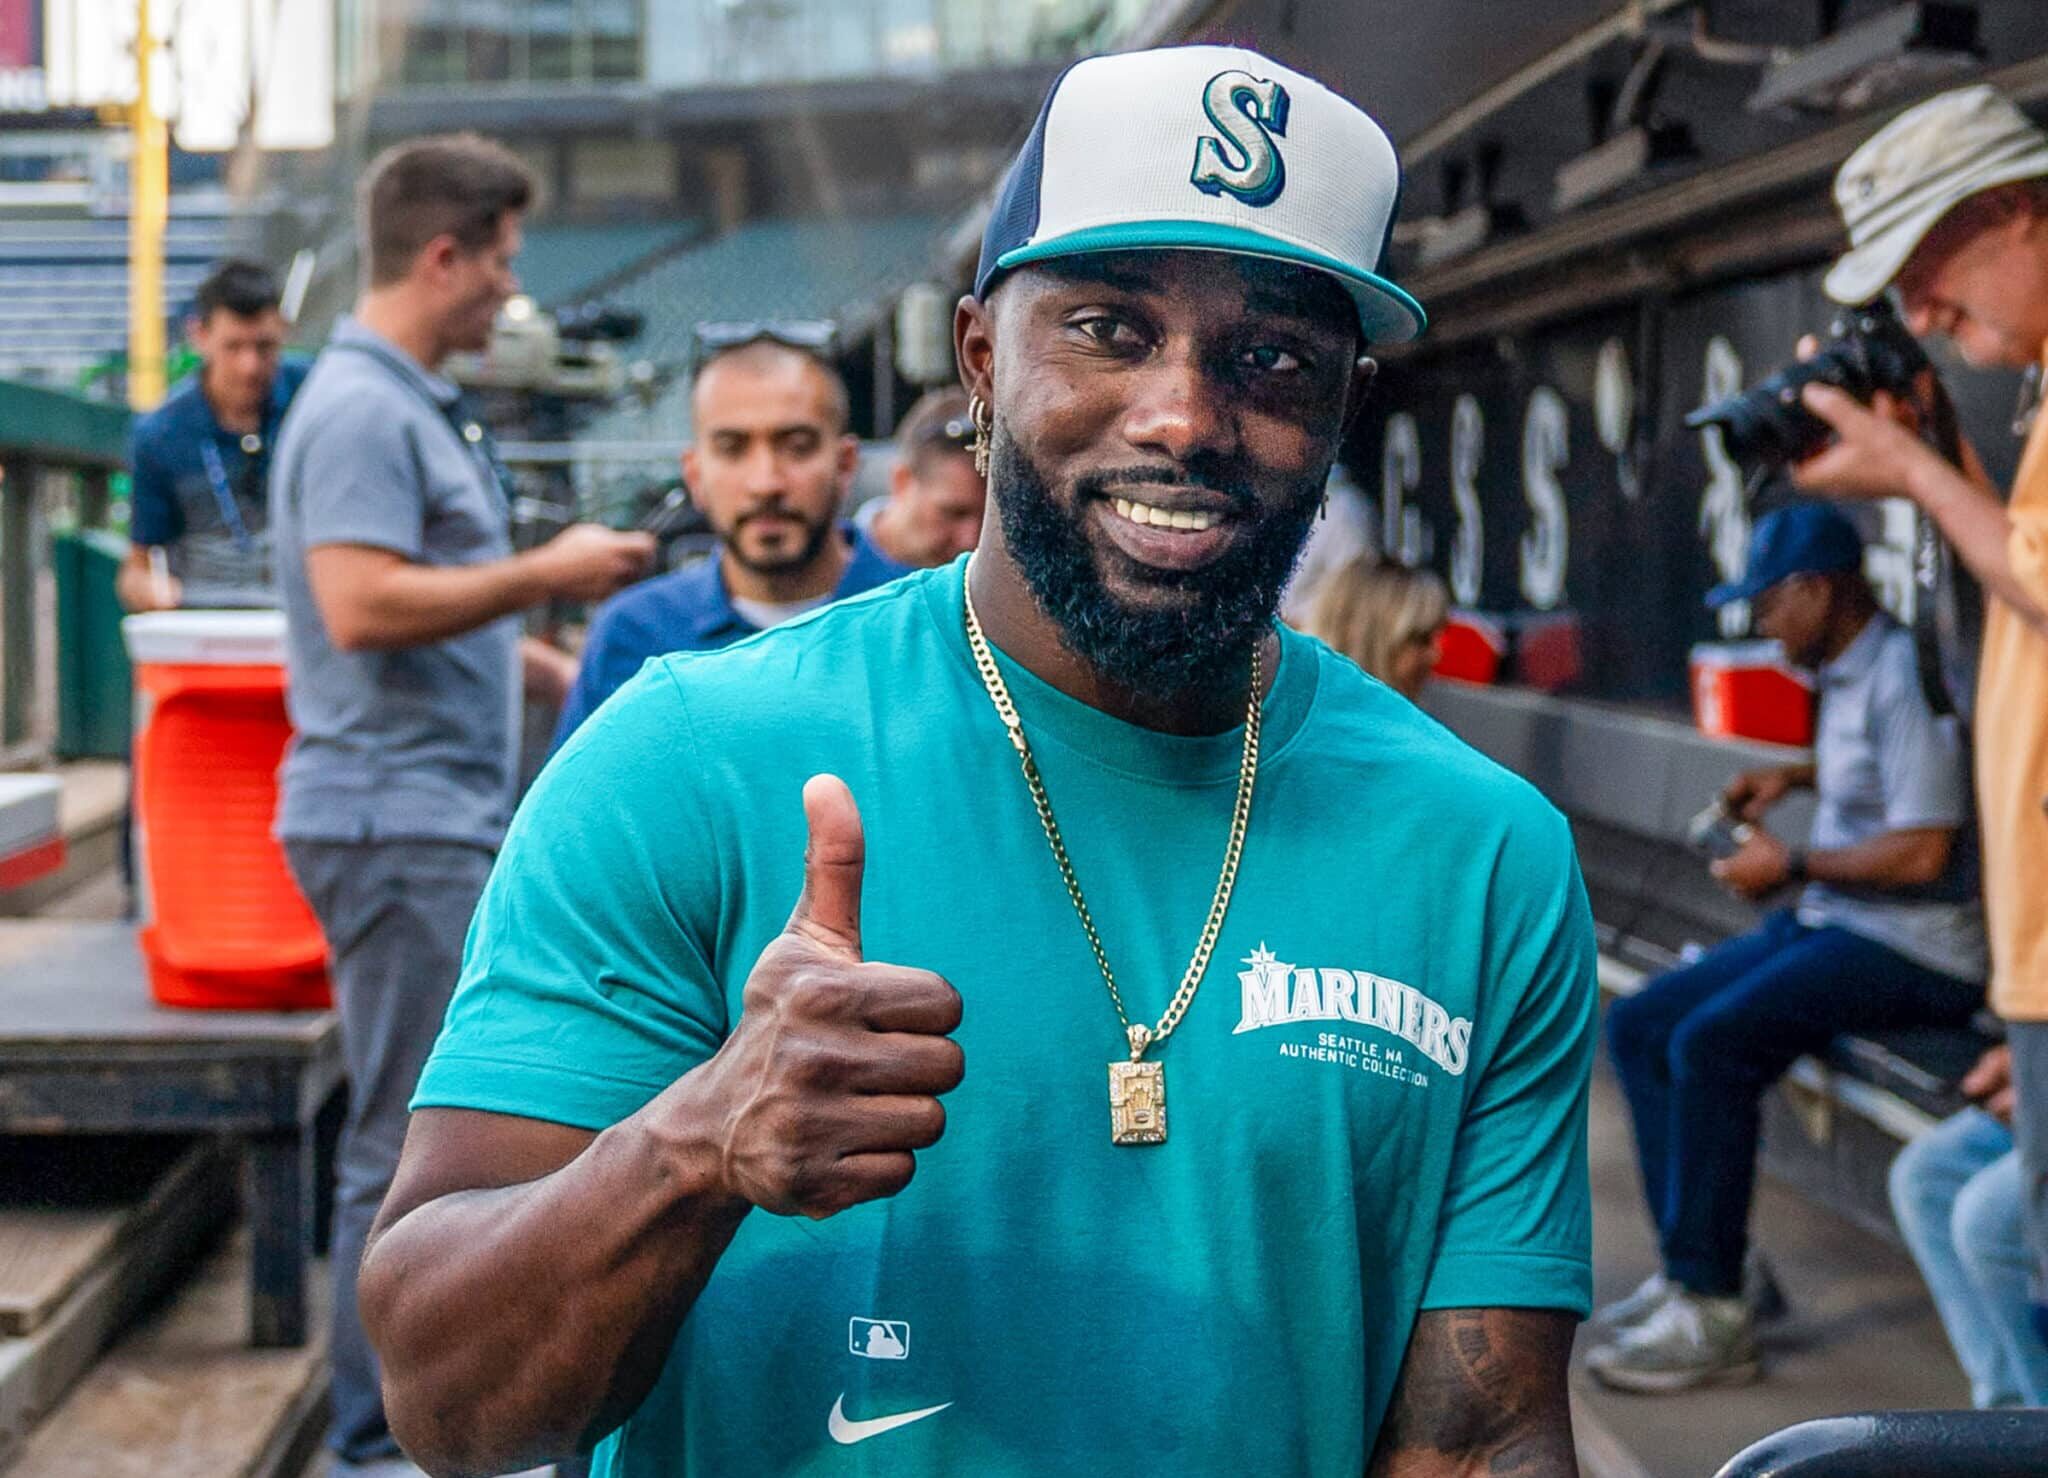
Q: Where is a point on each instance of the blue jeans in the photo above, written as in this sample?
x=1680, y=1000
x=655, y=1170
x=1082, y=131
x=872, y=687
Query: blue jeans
x=1697, y=1047
x=1956, y=1193
x=2029, y=1043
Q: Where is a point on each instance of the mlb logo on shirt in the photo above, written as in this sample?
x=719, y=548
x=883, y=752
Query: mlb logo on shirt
x=878, y=1339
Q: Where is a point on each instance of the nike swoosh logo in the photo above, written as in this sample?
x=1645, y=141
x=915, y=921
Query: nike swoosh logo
x=846, y=1431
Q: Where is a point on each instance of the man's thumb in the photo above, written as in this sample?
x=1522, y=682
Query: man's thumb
x=828, y=912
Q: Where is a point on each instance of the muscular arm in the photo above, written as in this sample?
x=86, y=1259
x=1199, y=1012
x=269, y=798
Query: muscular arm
x=516, y=1321
x=1482, y=1395
x=525, y=1280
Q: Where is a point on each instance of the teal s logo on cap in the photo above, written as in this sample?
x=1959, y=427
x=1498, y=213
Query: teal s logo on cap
x=1327, y=206
x=1249, y=113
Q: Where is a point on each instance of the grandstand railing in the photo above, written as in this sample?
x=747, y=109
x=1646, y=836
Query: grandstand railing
x=58, y=454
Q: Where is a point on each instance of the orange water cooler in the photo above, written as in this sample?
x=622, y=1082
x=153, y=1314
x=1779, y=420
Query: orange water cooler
x=1747, y=690
x=1473, y=648
x=226, y=925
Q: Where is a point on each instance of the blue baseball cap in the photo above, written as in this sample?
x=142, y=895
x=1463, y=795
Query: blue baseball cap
x=1800, y=539
x=1206, y=148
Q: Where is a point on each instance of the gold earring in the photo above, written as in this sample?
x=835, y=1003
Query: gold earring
x=984, y=427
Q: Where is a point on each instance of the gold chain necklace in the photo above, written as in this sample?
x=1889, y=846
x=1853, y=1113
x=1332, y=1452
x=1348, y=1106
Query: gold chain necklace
x=1137, y=1088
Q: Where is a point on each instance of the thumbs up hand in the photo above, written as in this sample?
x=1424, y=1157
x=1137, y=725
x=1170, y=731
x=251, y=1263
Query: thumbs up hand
x=831, y=1078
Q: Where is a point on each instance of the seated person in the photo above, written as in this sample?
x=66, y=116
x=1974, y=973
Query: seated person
x=932, y=514
x=1885, y=933
x=1386, y=617
x=770, y=466
x=1956, y=1194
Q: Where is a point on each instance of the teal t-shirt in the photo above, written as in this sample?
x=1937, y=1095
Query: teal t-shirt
x=1376, y=1104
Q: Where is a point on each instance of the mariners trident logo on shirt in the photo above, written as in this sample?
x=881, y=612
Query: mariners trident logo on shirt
x=1276, y=993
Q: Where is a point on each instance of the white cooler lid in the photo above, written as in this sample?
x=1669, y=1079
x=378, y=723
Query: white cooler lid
x=28, y=811
x=206, y=638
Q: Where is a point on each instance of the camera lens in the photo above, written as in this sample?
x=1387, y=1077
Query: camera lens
x=1767, y=426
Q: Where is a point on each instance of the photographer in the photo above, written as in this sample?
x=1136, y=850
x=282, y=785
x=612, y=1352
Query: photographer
x=1884, y=934
x=1948, y=205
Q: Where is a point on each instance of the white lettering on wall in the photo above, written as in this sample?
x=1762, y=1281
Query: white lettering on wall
x=1614, y=412
x=1468, y=544
x=1402, y=535
x=1724, y=510
x=1545, y=449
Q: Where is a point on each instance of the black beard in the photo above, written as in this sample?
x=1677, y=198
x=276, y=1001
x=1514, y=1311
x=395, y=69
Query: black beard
x=814, y=541
x=1203, y=645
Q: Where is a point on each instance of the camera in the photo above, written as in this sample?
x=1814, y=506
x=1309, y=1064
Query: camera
x=1717, y=834
x=1766, y=427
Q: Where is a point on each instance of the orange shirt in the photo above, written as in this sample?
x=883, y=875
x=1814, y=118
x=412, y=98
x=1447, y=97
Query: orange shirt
x=2012, y=757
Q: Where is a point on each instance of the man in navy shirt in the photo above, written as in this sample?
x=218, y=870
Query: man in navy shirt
x=201, y=458
x=770, y=468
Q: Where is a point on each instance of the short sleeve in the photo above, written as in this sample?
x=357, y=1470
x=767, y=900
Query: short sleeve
x=357, y=480
x=587, y=984
x=1919, y=758
x=1516, y=1226
x=153, y=517
x=617, y=648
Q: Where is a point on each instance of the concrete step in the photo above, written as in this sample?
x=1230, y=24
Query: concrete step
x=1862, y=1335
x=77, y=1273
x=182, y=1396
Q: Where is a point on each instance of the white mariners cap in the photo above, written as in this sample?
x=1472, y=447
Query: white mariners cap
x=1918, y=168
x=1208, y=148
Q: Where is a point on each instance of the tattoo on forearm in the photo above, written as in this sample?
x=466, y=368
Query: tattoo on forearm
x=1482, y=1392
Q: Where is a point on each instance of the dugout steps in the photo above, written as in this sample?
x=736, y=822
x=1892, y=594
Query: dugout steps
x=124, y=1319
x=92, y=1232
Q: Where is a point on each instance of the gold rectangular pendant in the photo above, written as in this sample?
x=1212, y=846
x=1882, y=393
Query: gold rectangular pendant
x=1137, y=1103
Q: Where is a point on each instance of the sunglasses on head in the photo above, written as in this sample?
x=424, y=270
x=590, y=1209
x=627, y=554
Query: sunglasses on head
x=819, y=336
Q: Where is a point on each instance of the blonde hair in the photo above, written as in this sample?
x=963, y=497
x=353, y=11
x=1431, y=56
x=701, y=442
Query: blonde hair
x=1372, y=607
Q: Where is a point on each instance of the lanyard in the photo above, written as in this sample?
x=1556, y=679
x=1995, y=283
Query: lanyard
x=223, y=495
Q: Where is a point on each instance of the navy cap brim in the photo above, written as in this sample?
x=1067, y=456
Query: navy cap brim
x=1734, y=590
x=1386, y=314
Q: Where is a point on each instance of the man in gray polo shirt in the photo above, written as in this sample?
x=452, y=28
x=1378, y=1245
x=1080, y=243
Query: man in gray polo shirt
x=1885, y=933
x=401, y=595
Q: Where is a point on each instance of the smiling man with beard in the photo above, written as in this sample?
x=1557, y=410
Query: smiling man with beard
x=1261, y=1009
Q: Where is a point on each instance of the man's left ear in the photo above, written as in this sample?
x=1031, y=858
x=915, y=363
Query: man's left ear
x=849, y=461
x=1363, y=373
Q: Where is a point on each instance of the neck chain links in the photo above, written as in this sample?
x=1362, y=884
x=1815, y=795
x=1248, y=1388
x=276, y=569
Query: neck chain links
x=1142, y=1038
